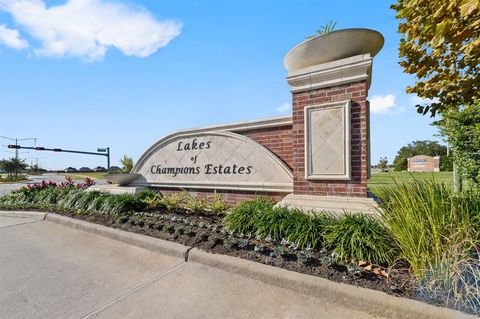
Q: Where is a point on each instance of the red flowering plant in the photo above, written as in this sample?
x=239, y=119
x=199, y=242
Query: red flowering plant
x=68, y=184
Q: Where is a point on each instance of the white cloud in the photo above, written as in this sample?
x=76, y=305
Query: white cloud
x=382, y=104
x=284, y=108
x=11, y=38
x=87, y=28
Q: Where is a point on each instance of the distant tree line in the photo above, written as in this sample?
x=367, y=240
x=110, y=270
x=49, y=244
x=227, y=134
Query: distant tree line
x=429, y=148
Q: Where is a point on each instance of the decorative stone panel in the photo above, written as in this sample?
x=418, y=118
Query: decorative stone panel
x=327, y=141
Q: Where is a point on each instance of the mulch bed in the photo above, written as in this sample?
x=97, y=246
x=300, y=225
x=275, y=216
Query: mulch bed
x=206, y=232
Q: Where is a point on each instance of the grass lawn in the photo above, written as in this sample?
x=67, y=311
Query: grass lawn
x=383, y=179
x=82, y=175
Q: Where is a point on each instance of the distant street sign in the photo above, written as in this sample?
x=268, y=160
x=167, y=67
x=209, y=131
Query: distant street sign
x=101, y=150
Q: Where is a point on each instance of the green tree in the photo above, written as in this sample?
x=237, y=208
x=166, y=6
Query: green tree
x=462, y=129
x=429, y=148
x=440, y=45
x=13, y=166
x=383, y=164
x=127, y=163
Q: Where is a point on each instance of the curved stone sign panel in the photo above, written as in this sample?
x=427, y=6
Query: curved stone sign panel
x=212, y=160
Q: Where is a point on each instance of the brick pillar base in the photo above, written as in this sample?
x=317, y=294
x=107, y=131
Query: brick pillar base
x=331, y=160
x=356, y=93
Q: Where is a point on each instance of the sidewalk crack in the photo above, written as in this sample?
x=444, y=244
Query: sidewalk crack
x=133, y=290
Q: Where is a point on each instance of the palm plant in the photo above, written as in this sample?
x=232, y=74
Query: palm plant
x=329, y=27
x=127, y=163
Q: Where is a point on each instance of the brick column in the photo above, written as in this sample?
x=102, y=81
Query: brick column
x=356, y=92
x=331, y=161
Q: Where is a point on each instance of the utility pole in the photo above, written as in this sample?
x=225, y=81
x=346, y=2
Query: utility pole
x=16, y=142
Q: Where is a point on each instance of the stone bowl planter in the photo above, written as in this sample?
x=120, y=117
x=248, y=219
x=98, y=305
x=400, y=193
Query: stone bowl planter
x=333, y=46
x=120, y=179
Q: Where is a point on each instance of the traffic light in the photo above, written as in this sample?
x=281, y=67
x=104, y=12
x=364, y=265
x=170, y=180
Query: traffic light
x=13, y=146
x=57, y=149
x=40, y=148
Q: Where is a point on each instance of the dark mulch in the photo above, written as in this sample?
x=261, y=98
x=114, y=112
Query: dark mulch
x=206, y=232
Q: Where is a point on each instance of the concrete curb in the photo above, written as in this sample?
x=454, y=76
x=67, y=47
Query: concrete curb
x=367, y=300
x=142, y=241
x=22, y=214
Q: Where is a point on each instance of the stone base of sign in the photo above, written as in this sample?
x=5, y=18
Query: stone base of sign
x=115, y=189
x=335, y=204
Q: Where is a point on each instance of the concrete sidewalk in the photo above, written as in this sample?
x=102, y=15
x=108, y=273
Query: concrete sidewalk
x=51, y=271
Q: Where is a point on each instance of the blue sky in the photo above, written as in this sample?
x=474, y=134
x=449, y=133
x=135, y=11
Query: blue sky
x=84, y=74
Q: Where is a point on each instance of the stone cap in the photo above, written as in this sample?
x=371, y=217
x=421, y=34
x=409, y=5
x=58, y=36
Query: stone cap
x=333, y=46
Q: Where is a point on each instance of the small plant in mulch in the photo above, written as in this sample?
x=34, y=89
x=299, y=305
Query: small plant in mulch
x=278, y=251
x=168, y=229
x=355, y=270
x=259, y=248
x=329, y=260
x=304, y=256
x=243, y=243
x=228, y=242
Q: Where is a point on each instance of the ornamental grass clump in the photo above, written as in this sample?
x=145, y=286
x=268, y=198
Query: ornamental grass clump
x=437, y=232
x=454, y=283
x=360, y=237
x=429, y=222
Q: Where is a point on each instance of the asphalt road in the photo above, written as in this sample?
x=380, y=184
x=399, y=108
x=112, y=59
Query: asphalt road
x=51, y=271
x=34, y=179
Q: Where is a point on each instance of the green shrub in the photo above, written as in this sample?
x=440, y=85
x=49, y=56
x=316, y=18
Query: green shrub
x=360, y=237
x=154, y=202
x=195, y=205
x=217, y=204
x=260, y=217
x=149, y=193
x=243, y=217
x=308, y=230
x=430, y=223
x=175, y=201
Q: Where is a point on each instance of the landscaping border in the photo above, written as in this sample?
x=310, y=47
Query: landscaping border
x=363, y=299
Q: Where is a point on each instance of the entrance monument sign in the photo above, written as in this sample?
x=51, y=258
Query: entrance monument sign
x=213, y=160
x=317, y=158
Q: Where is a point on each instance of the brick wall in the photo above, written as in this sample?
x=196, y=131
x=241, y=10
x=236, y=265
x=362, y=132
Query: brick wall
x=357, y=187
x=277, y=139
